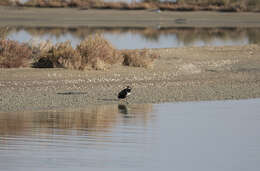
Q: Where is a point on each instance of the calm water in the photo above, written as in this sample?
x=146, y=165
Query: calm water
x=139, y=38
x=198, y=136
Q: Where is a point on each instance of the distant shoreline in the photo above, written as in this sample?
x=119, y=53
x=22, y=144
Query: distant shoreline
x=178, y=5
x=73, y=17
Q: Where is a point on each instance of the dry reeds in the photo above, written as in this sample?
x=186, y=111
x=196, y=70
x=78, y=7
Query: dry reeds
x=61, y=55
x=4, y=31
x=139, y=58
x=223, y=5
x=62, y=3
x=179, y=5
x=14, y=54
x=95, y=52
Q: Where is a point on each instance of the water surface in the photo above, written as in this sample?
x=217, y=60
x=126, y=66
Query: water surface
x=139, y=38
x=198, y=136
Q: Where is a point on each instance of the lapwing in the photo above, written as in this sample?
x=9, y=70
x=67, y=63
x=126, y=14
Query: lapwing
x=123, y=94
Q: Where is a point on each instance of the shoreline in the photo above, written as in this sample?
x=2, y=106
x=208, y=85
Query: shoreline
x=69, y=17
x=180, y=74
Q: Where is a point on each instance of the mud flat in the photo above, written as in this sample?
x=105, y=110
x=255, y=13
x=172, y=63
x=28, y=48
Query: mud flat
x=180, y=74
x=73, y=17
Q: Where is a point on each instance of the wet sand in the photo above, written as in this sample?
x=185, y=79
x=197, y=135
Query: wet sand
x=180, y=74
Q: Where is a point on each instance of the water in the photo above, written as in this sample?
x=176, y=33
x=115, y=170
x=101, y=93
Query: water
x=197, y=136
x=139, y=38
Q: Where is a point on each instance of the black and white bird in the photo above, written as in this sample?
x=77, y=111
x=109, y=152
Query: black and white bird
x=123, y=94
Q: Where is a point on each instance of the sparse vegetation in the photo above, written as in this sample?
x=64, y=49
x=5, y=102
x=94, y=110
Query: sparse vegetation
x=140, y=58
x=179, y=5
x=60, y=3
x=14, y=54
x=61, y=55
x=224, y=5
x=95, y=52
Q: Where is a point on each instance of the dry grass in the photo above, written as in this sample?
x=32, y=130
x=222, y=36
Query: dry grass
x=14, y=54
x=97, y=53
x=61, y=55
x=180, y=5
x=85, y=4
x=67, y=56
x=4, y=31
x=61, y=3
x=224, y=5
x=126, y=6
x=139, y=58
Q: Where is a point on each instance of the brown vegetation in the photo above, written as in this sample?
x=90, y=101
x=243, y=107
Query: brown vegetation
x=179, y=5
x=14, y=54
x=92, y=53
x=62, y=3
x=61, y=55
x=140, y=58
x=97, y=52
x=224, y=5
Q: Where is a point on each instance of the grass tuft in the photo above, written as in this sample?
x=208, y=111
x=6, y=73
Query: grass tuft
x=61, y=55
x=97, y=53
x=14, y=54
x=139, y=58
x=179, y=5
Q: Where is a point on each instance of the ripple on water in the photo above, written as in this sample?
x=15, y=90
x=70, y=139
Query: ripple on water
x=139, y=38
x=220, y=135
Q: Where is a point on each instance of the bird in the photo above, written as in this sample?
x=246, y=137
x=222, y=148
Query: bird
x=123, y=94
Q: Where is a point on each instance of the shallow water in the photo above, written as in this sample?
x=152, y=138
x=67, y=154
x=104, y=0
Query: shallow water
x=139, y=38
x=197, y=136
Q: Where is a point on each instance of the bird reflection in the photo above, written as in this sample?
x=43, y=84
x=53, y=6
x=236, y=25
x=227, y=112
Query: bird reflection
x=89, y=120
x=122, y=109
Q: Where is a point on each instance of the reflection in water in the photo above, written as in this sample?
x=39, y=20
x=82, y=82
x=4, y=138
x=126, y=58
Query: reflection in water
x=92, y=119
x=98, y=136
x=199, y=136
x=123, y=109
x=136, y=38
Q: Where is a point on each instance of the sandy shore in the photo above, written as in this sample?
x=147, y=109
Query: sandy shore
x=180, y=74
